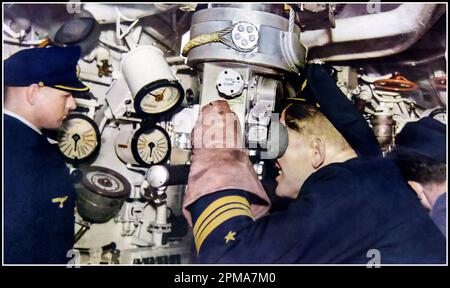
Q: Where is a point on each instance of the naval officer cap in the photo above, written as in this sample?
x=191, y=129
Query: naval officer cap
x=426, y=137
x=54, y=67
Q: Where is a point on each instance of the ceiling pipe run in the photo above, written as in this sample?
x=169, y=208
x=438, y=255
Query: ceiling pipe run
x=407, y=18
x=377, y=42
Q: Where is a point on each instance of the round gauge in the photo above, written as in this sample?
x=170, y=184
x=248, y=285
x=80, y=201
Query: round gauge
x=78, y=138
x=157, y=98
x=150, y=145
x=105, y=182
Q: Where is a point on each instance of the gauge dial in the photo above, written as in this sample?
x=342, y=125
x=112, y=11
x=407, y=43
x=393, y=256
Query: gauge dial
x=105, y=182
x=78, y=138
x=151, y=145
x=158, y=98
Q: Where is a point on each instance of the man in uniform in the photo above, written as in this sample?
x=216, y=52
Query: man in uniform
x=347, y=209
x=420, y=153
x=39, y=196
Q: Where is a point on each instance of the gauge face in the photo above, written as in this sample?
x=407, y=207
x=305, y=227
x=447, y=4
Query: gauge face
x=151, y=145
x=78, y=138
x=105, y=181
x=158, y=99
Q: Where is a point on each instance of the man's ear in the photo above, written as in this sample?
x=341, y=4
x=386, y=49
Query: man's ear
x=420, y=191
x=417, y=187
x=319, y=153
x=32, y=93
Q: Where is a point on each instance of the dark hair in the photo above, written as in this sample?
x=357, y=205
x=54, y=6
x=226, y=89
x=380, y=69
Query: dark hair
x=419, y=168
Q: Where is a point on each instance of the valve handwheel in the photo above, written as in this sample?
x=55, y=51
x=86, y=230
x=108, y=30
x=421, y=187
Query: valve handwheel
x=397, y=83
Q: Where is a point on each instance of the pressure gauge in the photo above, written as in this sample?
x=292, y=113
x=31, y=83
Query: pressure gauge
x=105, y=182
x=158, y=98
x=78, y=138
x=145, y=146
x=101, y=193
x=153, y=84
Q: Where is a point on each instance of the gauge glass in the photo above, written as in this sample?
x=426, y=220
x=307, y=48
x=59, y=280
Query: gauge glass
x=160, y=100
x=105, y=181
x=78, y=137
x=153, y=146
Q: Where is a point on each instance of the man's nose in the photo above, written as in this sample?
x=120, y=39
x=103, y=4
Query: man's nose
x=71, y=104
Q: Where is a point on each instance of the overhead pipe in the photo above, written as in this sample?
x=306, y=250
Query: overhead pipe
x=106, y=13
x=407, y=18
x=429, y=15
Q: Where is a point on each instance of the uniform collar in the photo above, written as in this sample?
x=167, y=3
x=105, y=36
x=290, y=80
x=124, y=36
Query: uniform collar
x=23, y=120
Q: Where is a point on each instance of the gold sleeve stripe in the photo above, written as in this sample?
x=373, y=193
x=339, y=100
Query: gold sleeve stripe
x=219, y=220
x=304, y=84
x=216, y=204
x=216, y=213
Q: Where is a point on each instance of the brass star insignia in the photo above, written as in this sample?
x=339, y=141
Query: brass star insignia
x=230, y=236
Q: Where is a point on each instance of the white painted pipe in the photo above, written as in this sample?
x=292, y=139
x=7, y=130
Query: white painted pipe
x=389, y=50
x=403, y=44
x=95, y=79
x=25, y=42
x=106, y=13
x=161, y=218
x=407, y=18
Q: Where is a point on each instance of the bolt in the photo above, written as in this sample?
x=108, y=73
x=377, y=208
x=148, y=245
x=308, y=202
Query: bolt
x=249, y=29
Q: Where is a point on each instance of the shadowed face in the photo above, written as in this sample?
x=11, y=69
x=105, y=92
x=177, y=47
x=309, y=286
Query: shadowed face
x=52, y=106
x=296, y=165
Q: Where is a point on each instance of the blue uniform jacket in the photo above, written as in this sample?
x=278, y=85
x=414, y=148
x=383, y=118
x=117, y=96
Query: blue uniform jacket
x=38, y=198
x=344, y=116
x=343, y=211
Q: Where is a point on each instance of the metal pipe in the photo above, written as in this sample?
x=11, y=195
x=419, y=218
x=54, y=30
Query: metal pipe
x=85, y=226
x=407, y=18
x=106, y=14
x=25, y=42
x=95, y=79
x=389, y=50
x=161, y=219
x=424, y=60
x=425, y=15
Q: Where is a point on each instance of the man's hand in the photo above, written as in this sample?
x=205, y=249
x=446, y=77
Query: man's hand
x=219, y=162
x=217, y=127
